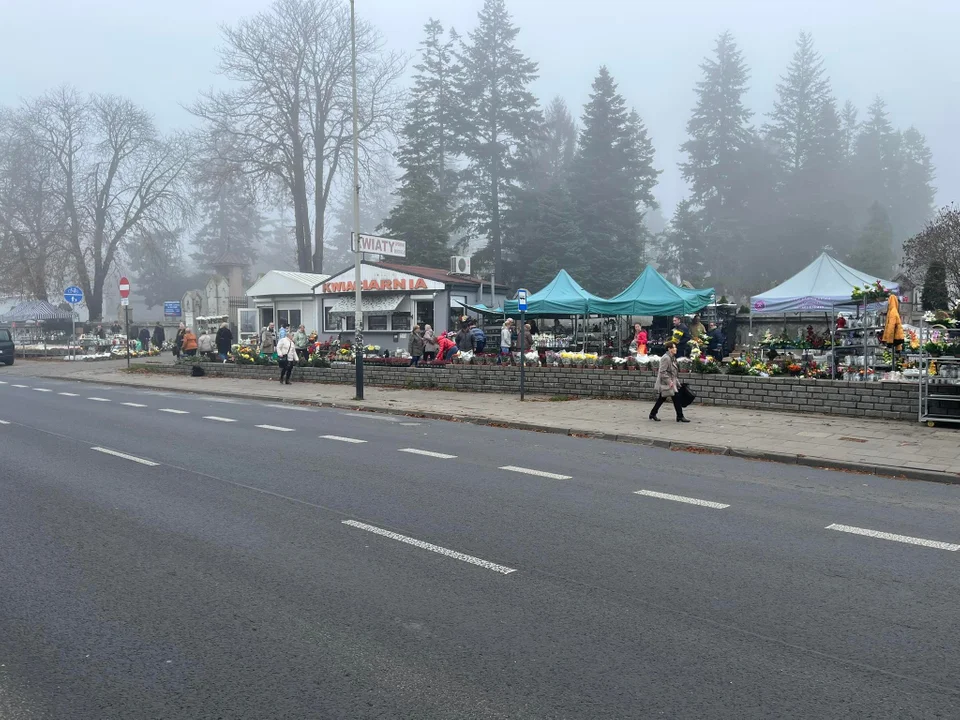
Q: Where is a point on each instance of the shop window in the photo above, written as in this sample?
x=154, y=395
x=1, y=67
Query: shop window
x=377, y=322
x=424, y=312
x=266, y=316
x=292, y=317
x=400, y=321
x=334, y=323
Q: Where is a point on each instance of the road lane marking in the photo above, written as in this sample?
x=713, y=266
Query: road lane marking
x=3, y=382
x=428, y=453
x=133, y=404
x=174, y=412
x=340, y=438
x=65, y=394
x=218, y=419
x=276, y=428
x=98, y=399
x=20, y=386
x=538, y=473
x=410, y=424
x=372, y=416
x=683, y=499
x=4, y=422
x=134, y=458
x=502, y=569
x=42, y=390
x=897, y=538
x=291, y=407
x=227, y=401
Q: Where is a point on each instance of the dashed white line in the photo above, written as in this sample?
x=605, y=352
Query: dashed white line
x=225, y=401
x=428, y=453
x=66, y=394
x=538, y=473
x=98, y=399
x=133, y=458
x=683, y=499
x=3, y=382
x=42, y=390
x=174, y=412
x=410, y=424
x=276, y=428
x=139, y=405
x=20, y=386
x=373, y=416
x=4, y=422
x=290, y=407
x=897, y=538
x=218, y=419
x=502, y=569
x=340, y=438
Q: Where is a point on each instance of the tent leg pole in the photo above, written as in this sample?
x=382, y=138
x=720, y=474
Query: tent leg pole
x=833, y=343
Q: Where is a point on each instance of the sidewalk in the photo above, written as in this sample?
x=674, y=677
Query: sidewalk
x=903, y=449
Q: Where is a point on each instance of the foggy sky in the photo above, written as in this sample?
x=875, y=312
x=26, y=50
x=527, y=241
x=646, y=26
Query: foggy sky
x=161, y=53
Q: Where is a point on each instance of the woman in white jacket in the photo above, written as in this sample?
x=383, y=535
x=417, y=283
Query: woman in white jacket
x=286, y=357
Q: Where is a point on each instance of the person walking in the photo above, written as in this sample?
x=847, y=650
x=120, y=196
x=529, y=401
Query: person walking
x=144, y=337
x=268, y=340
x=178, y=341
x=430, y=345
x=224, y=341
x=415, y=346
x=286, y=357
x=667, y=383
x=506, y=339
x=300, y=342
x=189, y=346
x=159, y=336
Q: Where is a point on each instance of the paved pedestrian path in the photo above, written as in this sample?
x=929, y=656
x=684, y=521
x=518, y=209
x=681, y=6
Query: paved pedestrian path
x=883, y=446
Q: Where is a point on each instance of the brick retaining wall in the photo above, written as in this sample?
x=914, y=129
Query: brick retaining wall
x=890, y=400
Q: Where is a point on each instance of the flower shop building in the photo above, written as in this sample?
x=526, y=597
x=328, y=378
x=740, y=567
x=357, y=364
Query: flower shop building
x=395, y=298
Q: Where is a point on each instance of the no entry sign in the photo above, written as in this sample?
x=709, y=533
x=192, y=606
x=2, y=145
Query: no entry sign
x=124, y=288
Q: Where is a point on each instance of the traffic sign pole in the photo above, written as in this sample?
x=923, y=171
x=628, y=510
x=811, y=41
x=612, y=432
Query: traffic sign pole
x=522, y=306
x=125, y=300
x=74, y=296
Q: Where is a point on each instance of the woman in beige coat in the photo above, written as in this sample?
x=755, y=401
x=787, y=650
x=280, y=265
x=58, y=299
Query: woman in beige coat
x=667, y=383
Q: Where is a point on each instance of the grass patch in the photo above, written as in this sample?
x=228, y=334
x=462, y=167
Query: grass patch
x=562, y=398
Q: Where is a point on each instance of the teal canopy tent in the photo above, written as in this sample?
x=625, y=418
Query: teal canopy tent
x=652, y=294
x=481, y=308
x=562, y=297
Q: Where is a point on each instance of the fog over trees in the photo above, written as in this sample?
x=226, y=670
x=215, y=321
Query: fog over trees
x=459, y=156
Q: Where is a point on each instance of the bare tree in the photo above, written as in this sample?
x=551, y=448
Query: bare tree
x=290, y=119
x=939, y=241
x=117, y=178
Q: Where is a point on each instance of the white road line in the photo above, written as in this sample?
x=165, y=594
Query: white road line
x=133, y=404
x=372, y=416
x=502, y=569
x=68, y=394
x=98, y=399
x=291, y=407
x=218, y=419
x=681, y=498
x=134, y=458
x=538, y=473
x=226, y=401
x=277, y=429
x=4, y=422
x=42, y=390
x=898, y=538
x=3, y=382
x=428, y=453
x=410, y=424
x=340, y=438
x=175, y=412
x=20, y=386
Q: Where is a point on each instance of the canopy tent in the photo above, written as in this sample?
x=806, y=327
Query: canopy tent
x=822, y=285
x=652, y=294
x=563, y=296
x=36, y=311
x=481, y=308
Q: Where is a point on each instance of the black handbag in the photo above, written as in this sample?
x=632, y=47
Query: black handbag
x=687, y=396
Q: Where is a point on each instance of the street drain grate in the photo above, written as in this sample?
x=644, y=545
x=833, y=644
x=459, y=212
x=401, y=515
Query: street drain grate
x=853, y=439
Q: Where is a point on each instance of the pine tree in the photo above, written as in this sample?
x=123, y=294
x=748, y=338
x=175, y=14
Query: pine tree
x=232, y=222
x=555, y=242
x=683, y=256
x=876, y=165
x=498, y=116
x=916, y=197
x=718, y=130
x=424, y=213
x=796, y=118
x=873, y=253
x=935, y=294
x=612, y=178
x=849, y=129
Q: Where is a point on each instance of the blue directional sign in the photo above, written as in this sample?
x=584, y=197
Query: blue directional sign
x=522, y=300
x=172, y=308
x=73, y=295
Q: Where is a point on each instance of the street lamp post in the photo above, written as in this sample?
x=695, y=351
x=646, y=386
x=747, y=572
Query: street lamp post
x=358, y=256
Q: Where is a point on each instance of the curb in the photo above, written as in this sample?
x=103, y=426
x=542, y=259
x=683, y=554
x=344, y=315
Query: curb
x=897, y=473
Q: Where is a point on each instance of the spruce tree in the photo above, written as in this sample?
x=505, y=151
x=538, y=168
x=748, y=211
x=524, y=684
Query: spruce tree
x=554, y=243
x=873, y=253
x=426, y=199
x=611, y=180
x=849, y=129
x=231, y=221
x=876, y=165
x=915, y=200
x=935, y=294
x=796, y=117
x=683, y=251
x=498, y=115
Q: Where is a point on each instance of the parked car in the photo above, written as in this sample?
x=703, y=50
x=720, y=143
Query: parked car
x=6, y=347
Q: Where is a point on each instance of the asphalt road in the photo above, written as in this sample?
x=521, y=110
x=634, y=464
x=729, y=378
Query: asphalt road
x=173, y=556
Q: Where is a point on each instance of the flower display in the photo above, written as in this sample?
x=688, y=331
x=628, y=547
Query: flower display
x=875, y=292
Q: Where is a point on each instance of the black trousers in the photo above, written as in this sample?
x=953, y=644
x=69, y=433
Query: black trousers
x=676, y=405
x=286, y=368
